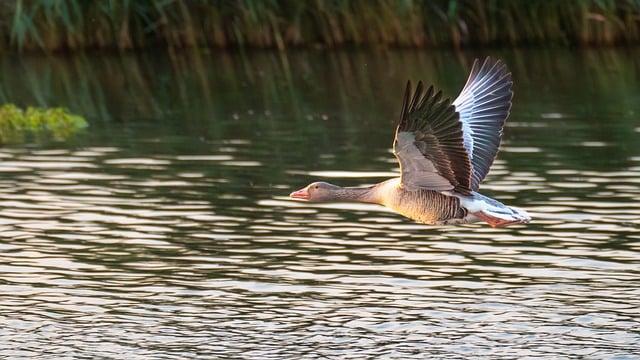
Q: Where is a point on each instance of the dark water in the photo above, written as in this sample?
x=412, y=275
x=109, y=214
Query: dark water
x=165, y=230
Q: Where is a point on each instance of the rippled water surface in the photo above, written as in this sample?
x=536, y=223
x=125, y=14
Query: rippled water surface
x=165, y=230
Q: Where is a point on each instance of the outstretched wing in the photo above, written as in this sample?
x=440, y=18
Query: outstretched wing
x=484, y=104
x=429, y=143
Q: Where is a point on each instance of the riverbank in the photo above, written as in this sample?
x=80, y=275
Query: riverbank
x=69, y=25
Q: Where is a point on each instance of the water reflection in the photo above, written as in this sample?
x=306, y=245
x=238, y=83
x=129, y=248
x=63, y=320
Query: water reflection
x=166, y=230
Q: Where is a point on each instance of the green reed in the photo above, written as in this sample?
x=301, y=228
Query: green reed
x=123, y=24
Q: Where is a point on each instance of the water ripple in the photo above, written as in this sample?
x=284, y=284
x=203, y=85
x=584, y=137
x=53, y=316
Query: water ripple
x=189, y=247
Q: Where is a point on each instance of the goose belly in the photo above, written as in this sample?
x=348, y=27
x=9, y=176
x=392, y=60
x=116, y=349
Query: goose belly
x=428, y=207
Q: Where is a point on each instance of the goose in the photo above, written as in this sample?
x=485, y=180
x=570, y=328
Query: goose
x=444, y=150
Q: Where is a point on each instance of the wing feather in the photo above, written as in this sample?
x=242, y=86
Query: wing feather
x=429, y=143
x=484, y=104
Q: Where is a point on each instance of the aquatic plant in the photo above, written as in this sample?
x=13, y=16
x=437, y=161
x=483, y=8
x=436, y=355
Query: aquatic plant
x=17, y=125
x=75, y=24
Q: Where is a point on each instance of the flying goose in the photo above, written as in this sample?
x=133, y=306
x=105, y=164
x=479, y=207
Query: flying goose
x=445, y=149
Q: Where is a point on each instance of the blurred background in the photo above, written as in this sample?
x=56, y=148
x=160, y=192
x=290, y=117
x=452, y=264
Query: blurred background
x=161, y=227
x=51, y=25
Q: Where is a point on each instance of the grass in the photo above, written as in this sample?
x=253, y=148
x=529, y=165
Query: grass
x=17, y=125
x=53, y=25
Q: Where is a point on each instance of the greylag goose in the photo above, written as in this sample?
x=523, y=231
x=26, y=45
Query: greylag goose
x=445, y=149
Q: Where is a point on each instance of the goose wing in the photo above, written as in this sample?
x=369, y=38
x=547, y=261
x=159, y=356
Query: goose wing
x=429, y=143
x=484, y=104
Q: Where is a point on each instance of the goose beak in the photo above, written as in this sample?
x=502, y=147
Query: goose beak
x=302, y=194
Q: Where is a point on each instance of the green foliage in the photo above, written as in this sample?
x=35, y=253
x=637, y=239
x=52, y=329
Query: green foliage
x=17, y=125
x=125, y=24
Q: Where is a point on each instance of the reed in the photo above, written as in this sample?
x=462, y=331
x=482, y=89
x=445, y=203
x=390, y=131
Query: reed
x=52, y=25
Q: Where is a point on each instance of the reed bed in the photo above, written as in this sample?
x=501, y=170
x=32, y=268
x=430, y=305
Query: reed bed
x=53, y=25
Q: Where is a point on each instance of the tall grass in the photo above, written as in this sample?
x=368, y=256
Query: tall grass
x=124, y=24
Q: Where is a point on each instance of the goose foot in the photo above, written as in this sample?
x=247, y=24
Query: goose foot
x=497, y=222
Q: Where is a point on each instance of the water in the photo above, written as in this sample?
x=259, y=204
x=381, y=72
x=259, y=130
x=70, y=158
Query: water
x=165, y=231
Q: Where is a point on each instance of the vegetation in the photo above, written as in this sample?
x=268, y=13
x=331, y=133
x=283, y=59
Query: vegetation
x=75, y=24
x=17, y=125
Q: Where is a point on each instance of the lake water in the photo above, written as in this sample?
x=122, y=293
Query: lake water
x=165, y=230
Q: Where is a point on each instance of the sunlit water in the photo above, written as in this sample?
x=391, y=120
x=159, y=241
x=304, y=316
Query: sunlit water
x=165, y=230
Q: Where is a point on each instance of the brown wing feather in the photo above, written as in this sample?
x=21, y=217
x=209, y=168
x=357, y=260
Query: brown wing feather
x=429, y=143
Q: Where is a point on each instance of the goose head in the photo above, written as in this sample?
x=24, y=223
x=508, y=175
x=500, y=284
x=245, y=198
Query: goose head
x=317, y=191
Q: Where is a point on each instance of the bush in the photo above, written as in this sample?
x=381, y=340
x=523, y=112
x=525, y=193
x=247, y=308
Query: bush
x=37, y=124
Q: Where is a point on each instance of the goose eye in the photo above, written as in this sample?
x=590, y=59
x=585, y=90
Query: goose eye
x=315, y=187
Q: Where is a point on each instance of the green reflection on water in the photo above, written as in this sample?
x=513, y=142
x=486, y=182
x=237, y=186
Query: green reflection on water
x=314, y=106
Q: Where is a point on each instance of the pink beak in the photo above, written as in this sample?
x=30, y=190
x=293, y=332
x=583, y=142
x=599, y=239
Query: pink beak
x=300, y=194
